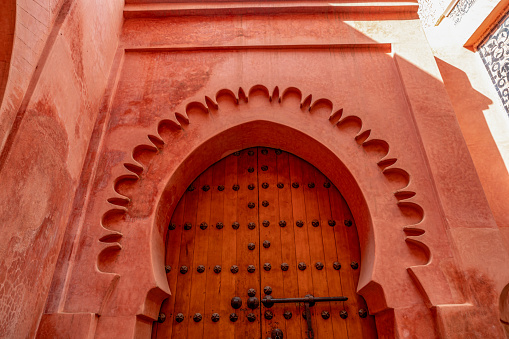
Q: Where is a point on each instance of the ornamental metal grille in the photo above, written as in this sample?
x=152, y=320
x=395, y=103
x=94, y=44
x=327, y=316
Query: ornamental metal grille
x=494, y=52
x=430, y=10
x=461, y=8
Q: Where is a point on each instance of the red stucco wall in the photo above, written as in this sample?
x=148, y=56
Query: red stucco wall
x=63, y=51
x=86, y=89
x=7, y=21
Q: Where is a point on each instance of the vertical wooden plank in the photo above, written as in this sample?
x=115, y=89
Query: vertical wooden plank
x=288, y=251
x=214, y=255
x=330, y=254
x=173, y=239
x=305, y=279
x=323, y=327
x=348, y=283
x=245, y=280
x=367, y=324
x=183, y=289
x=268, y=193
x=199, y=280
x=229, y=253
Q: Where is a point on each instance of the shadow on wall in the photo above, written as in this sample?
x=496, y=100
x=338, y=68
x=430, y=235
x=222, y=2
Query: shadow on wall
x=7, y=21
x=468, y=103
x=469, y=106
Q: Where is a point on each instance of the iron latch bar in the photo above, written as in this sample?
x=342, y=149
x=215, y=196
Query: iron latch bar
x=268, y=301
x=308, y=301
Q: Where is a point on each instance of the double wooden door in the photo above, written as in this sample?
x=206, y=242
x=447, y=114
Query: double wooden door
x=262, y=222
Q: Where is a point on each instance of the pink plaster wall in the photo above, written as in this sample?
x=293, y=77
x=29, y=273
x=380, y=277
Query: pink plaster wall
x=470, y=108
x=7, y=22
x=394, y=88
x=63, y=51
x=34, y=21
x=61, y=80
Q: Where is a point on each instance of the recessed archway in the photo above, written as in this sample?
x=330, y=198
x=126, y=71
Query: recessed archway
x=274, y=135
x=214, y=252
x=166, y=159
x=251, y=127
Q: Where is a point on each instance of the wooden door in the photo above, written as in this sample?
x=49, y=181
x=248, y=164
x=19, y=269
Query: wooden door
x=262, y=222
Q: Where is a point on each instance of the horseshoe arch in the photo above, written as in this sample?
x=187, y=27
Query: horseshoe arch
x=360, y=164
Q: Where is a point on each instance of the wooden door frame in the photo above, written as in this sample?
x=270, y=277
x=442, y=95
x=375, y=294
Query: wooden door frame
x=398, y=257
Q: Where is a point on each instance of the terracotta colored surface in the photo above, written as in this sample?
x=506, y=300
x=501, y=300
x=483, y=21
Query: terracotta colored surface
x=76, y=326
x=94, y=161
x=472, y=108
x=489, y=164
x=482, y=119
x=42, y=160
x=265, y=133
x=34, y=22
x=485, y=126
x=183, y=75
x=7, y=22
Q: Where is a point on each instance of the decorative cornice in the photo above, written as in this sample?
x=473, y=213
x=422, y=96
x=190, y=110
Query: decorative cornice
x=384, y=47
x=143, y=9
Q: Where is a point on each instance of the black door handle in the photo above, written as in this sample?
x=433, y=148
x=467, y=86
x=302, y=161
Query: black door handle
x=268, y=301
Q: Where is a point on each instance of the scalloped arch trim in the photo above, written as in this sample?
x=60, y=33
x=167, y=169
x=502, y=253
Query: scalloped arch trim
x=321, y=109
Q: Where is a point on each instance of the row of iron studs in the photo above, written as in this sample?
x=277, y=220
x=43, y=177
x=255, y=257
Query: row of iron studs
x=267, y=267
x=264, y=152
x=253, y=303
x=251, y=317
x=251, y=187
x=252, y=225
x=265, y=185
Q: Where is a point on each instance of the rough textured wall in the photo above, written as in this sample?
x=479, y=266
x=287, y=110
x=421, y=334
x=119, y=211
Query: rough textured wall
x=34, y=20
x=71, y=50
x=479, y=110
x=7, y=20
